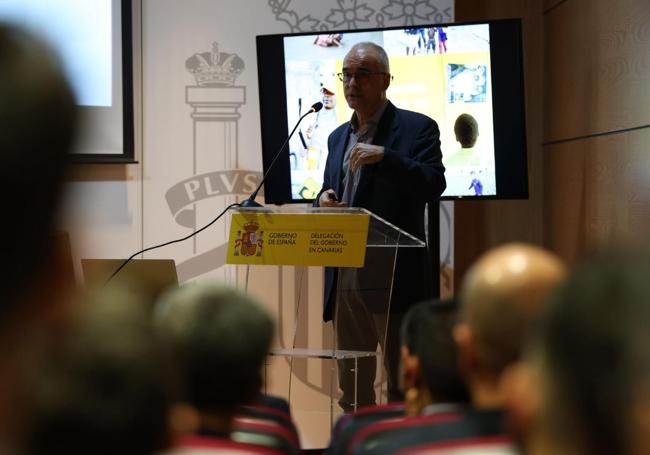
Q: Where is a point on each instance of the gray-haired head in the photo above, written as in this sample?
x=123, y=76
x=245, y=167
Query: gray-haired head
x=221, y=338
x=379, y=53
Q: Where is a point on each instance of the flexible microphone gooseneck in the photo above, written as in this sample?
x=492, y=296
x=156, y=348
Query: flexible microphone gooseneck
x=250, y=202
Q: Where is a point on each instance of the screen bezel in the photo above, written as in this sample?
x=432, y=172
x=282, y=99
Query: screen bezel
x=508, y=109
x=130, y=10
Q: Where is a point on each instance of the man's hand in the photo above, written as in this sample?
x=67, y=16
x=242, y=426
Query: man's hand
x=365, y=154
x=328, y=199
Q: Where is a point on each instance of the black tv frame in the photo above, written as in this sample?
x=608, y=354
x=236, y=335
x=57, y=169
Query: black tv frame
x=128, y=118
x=508, y=107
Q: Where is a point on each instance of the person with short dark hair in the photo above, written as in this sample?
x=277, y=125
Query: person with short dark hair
x=38, y=124
x=429, y=371
x=466, y=131
x=430, y=374
x=584, y=385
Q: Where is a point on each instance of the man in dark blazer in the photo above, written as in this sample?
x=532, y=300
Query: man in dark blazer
x=387, y=160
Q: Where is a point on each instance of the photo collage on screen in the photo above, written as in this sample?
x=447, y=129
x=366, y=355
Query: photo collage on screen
x=442, y=72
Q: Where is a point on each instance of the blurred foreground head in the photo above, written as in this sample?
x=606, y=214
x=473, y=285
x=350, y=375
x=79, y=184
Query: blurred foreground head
x=502, y=297
x=585, y=385
x=38, y=120
x=107, y=387
x=221, y=338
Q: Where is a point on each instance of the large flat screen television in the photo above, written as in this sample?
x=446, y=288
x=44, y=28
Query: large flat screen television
x=468, y=77
x=96, y=42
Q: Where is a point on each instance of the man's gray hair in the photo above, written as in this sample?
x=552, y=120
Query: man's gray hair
x=382, y=56
x=221, y=338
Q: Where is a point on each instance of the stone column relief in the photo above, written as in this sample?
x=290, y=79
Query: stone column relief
x=215, y=101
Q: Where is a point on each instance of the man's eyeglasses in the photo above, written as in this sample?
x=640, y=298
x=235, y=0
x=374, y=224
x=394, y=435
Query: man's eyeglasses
x=359, y=76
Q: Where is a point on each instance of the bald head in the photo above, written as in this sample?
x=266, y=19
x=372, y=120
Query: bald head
x=502, y=295
x=371, y=51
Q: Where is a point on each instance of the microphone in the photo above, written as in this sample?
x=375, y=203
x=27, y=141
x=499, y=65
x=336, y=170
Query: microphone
x=250, y=202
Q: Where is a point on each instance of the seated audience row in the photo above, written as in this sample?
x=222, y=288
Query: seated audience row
x=220, y=339
x=555, y=362
x=501, y=299
x=118, y=381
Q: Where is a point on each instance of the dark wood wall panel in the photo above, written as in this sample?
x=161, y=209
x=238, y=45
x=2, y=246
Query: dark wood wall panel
x=597, y=79
x=548, y=4
x=597, y=67
x=598, y=193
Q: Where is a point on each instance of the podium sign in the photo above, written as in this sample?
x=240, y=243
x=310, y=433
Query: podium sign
x=316, y=239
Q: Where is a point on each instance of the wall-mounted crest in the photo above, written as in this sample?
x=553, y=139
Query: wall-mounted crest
x=215, y=69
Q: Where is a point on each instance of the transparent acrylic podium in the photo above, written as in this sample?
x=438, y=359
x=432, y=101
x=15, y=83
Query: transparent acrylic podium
x=383, y=242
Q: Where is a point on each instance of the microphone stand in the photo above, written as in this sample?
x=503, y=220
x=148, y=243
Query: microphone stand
x=250, y=202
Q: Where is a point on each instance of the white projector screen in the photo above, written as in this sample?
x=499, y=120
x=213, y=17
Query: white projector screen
x=94, y=39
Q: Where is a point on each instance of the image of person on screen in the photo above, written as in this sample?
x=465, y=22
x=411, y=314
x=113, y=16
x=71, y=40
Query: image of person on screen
x=476, y=184
x=431, y=40
x=466, y=132
x=442, y=40
x=387, y=160
x=330, y=40
x=324, y=121
x=410, y=39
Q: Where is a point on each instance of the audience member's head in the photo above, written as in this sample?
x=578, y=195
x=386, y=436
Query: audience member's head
x=221, y=338
x=430, y=371
x=37, y=127
x=107, y=387
x=466, y=130
x=587, y=379
x=501, y=298
x=38, y=121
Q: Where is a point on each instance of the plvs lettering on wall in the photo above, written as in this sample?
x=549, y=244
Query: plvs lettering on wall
x=306, y=239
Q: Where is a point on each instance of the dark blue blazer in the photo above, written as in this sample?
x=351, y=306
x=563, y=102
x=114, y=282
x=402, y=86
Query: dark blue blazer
x=396, y=189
